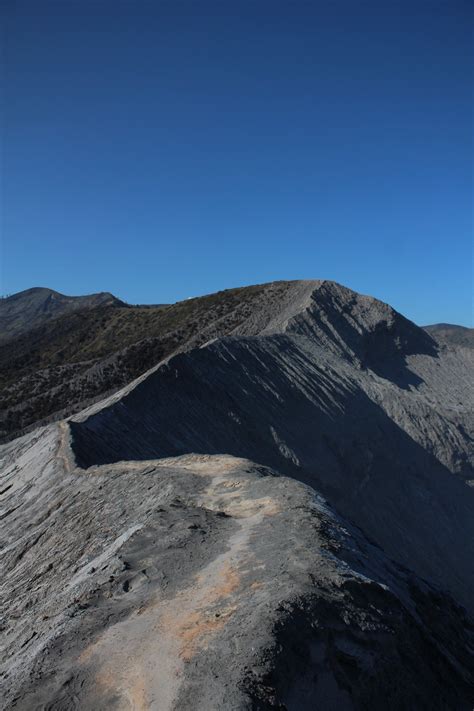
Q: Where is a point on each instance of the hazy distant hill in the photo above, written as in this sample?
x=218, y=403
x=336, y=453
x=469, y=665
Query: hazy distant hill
x=34, y=307
x=450, y=333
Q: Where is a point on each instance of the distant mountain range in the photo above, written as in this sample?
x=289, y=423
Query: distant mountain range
x=451, y=334
x=258, y=499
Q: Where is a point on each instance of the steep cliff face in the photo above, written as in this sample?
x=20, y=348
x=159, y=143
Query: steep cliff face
x=360, y=328
x=170, y=546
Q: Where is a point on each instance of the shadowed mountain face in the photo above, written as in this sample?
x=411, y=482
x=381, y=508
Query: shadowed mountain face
x=169, y=547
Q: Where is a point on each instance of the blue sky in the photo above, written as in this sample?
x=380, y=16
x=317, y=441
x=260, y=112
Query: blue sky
x=161, y=150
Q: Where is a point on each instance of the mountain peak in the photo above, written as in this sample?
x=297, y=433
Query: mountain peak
x=360, y=328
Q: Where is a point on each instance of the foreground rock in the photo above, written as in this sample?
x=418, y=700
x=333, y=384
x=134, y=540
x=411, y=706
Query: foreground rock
x=206, y=582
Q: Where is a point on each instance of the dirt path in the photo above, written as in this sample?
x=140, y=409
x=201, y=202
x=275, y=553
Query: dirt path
x=146, y=654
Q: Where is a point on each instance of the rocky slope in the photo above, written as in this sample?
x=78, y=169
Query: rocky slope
x=59, y=367
x=277, y=518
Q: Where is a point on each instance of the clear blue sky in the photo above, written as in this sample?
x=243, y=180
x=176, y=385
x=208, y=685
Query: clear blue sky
x=161, y=150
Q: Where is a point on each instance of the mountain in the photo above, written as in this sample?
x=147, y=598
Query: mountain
x=448, y=333
x=277, y=514
x=71, y=361
x=34, y=307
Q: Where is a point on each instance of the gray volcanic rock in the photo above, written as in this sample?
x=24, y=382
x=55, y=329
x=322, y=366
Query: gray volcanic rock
x=31, y=308
x=208, y=582
x=278, y=518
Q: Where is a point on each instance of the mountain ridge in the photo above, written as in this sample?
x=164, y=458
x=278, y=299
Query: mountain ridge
x=227, y=397
x=276, y=513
